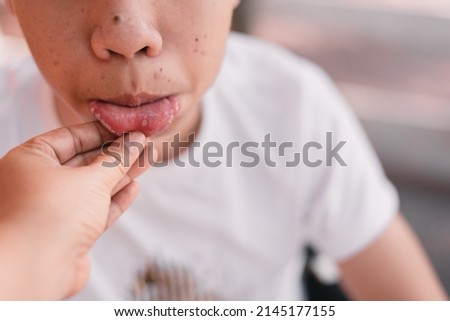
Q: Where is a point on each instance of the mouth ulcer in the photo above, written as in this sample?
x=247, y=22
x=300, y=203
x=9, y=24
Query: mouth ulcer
x=126, y=114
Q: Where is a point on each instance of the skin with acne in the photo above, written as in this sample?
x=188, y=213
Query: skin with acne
x=97, y=50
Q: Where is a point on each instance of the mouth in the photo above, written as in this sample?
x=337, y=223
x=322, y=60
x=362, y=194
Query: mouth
x=146, y=113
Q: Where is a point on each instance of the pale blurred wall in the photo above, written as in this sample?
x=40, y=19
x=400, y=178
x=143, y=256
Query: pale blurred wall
x=8, y=24
x=391, y=61
x=12, y=44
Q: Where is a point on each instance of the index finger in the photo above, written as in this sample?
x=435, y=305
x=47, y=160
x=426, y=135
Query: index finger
x=67, y=142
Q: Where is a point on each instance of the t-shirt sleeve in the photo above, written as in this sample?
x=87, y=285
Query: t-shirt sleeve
x=351, y=201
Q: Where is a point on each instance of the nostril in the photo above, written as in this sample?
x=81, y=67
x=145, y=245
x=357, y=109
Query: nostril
x=125, y=37
x=144, y=49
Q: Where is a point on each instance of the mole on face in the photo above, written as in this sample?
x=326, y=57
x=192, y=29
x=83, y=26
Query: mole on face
x=117, y=19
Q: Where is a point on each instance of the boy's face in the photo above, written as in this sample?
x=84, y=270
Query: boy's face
x=132, y=64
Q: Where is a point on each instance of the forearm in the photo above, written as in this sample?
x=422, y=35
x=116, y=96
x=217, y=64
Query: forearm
x=15, y=270
x=395, y=267
x=29, y=269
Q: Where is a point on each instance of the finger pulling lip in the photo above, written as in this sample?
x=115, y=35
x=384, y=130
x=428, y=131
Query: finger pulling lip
x=149, y=114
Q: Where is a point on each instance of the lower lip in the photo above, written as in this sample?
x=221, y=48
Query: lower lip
x=151, y=118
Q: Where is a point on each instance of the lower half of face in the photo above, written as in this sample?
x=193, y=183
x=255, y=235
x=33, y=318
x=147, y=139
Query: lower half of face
x=133, y=65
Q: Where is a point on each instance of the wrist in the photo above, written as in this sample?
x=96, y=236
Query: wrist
x=32, y=264
x=15, y=272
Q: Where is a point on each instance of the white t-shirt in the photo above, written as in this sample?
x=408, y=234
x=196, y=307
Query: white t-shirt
x=234, y=231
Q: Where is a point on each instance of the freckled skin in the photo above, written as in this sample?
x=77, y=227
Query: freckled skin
x=92, y=50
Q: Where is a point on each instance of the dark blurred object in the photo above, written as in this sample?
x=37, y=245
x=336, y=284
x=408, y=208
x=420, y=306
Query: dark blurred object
x=241, y=20
x=316, y=289
x=428, y=211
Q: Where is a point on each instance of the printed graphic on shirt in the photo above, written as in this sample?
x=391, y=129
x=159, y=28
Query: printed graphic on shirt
x=160, y=281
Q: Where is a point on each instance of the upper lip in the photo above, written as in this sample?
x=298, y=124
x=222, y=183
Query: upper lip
x=130, y=100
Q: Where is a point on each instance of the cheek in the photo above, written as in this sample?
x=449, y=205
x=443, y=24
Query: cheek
x=202, y=35
x=55, y=66
x=55, y=53
x=207, y=53
x=203, y=48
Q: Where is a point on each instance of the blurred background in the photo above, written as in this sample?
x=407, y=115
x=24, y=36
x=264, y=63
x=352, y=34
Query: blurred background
x=12, y=46
x=391, y=60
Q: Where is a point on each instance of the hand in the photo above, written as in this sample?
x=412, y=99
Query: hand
x=57, y=198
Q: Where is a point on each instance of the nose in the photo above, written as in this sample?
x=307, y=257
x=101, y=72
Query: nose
x=126, y=35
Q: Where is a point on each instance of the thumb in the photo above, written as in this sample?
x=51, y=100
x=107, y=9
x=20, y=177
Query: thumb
x=117, y=157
